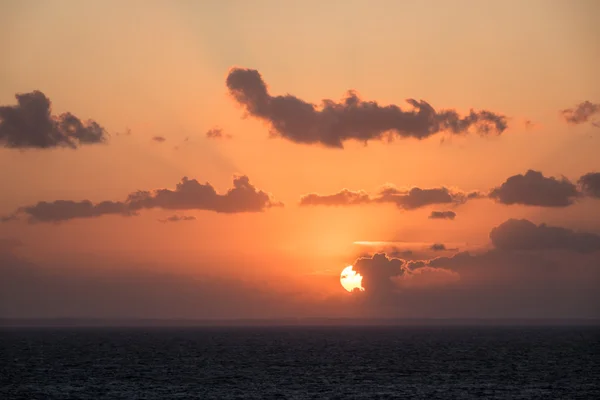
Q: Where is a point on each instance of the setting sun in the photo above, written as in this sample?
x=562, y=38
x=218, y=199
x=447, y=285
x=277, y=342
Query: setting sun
x=351, y=279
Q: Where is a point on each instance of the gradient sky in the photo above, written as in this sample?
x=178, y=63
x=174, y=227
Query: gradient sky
x=148, y=69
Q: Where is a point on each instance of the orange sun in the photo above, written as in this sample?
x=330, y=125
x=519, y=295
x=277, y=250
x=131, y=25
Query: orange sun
x=350, y=279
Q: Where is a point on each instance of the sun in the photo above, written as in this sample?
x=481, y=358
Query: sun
x=350, y=279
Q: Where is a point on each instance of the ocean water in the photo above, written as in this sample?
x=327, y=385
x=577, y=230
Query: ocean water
x=301, y=363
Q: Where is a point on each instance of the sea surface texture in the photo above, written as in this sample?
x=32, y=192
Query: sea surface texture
x=301, y=363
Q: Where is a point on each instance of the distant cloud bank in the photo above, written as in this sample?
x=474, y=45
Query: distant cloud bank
x=529, y=189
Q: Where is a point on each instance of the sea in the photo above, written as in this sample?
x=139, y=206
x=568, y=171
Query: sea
x=301, y=362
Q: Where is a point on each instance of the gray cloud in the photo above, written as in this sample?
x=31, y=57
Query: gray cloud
x=377, y=271
x=344, y=198
x=534, y=189
x=217, y=133
x=525, y=235
x=442, y=215
x=581, y=113
x=352, y=118
x=30, y=124
x=510, y=239
x=177, y=218
x=417, y=197
x=189, y=194
x=556, y=278
x=406, y=199
x=64, y=210
x=159, y=139
x=590, y=184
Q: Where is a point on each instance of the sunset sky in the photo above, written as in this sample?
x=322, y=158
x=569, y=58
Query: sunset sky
x=235, y=156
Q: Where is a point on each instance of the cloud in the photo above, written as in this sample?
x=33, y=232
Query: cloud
x=189, y=194
x=351, y=119
x=177, y=218
x=343, y=198
x=217, y=133
x=406, y=199
x=581, y=113
x=417, y=197
x=159, y=139
x=534, y=189
x=442, y=215
x=377, y=271
x=426, y=277
x=438, y=247
x=29, y=124
x=590, y=184
x=496, y=283
x=64, y=210
x=9, y=217
x=525, y=235
x=395, y=252
x=523, y=249
x=532, y=270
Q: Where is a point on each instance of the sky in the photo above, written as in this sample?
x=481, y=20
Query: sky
x=184, y=159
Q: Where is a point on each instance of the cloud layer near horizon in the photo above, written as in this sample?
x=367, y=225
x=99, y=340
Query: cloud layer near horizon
x=529, y=263
x=529, y=189
x=333, y=123
x=548, y=275
x=30, y=124
x=189, y=194
x=408, y=199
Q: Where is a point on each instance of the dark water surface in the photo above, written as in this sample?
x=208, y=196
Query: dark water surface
x=301, y=363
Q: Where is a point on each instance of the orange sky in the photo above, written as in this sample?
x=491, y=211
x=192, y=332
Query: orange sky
x=159, y=68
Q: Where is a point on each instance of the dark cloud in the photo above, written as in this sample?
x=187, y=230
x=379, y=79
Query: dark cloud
x=352, y=118
x=30, y=124
x=442, y=215
x=556, y=276
x=177, y=218
x=189, y=194
x=581, y=113
x=534, y=189
x=395, y=252
x=377, y=272
x=590, y=184
x=406, y=199
x=438, y=247
x=9, y=217
x=217, y=133
x=64, y=210
x=417, y=197
x=159, y=139
x=525, y=235
x=344, y=198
